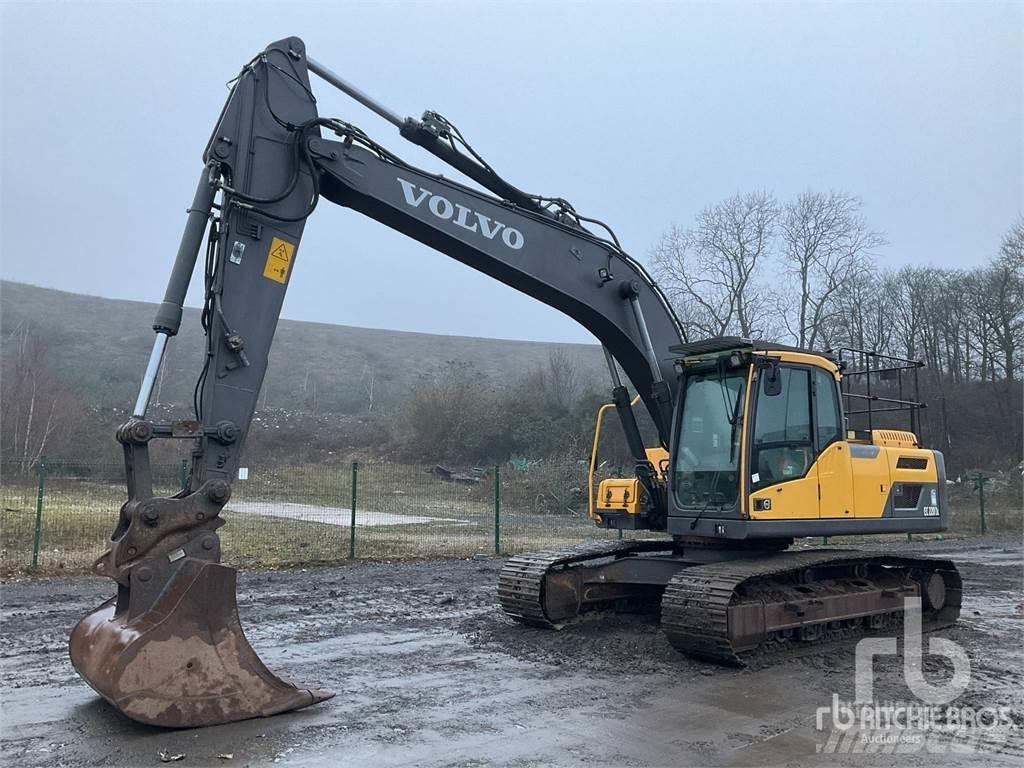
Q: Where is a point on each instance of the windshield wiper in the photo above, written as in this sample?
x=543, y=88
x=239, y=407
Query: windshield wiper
x=711, y=495
x=734, y=422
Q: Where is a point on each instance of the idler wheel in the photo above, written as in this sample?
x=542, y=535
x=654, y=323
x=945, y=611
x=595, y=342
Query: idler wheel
x=935, y=591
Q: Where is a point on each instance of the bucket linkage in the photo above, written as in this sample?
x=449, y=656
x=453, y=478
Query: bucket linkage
x=169, y=649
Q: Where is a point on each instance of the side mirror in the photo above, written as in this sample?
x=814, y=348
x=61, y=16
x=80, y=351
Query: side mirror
x=772, y=379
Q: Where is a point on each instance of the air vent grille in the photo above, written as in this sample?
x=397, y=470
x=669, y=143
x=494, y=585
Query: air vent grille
x=911, y=462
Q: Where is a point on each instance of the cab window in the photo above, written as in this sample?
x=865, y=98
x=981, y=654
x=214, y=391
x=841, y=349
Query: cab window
x=782, y=449
x=827, y=409
x=708, y=451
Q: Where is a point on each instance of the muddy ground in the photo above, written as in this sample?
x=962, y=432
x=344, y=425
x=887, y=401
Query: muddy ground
x=429, y=672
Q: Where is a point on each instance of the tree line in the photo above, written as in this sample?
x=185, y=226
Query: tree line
x=460, y=415
x=806, y=271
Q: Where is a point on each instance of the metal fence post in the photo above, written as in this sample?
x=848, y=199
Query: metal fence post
x=184, y=474
x=352, y=520
x=41, y=470
x=497, y=509
x=979, y=482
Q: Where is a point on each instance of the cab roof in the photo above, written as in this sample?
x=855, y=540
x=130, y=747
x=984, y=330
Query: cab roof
x=718, y=344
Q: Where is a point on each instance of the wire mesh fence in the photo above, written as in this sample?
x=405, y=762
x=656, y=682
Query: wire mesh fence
x=58, y=515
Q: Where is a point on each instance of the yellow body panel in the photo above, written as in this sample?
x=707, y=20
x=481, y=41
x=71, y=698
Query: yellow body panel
x=799, y=499
x=805, y=358
x=849, y=487
x=593, y=457
x=658, y=457
x=619, y=494
x=929, y=474
x=835, y=478
x=790, y=500
x=893, y=438
x=871, y=484
x=742, y=501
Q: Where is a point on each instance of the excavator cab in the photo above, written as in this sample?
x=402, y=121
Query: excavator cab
x=765, y=449
x=766, y=446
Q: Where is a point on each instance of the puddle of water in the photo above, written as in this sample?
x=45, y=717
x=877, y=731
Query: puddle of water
x=35, y=708
x=1010, y=557
x=995, y=614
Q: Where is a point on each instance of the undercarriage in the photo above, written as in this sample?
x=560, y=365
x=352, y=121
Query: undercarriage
x=730, y=604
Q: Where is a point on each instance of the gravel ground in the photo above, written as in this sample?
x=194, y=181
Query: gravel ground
x=428, y=671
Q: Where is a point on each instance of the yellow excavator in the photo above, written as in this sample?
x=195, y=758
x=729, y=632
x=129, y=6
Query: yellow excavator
x=761, y=455
x=752, y=446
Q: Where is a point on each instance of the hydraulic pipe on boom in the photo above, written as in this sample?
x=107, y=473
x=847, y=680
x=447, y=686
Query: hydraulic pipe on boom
x=428, y=133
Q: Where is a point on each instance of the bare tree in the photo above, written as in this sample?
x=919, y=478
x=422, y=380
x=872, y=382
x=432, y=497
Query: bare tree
x=863, y=318
x=366, y=378
x=952, y=320
x=980, y=345
x=561, y=381
x=907, y=293
x=825, y=247
x=709, y=272
x=1005, y=284
x=34, y=406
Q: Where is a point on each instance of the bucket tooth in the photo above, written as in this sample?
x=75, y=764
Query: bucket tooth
x=183, y=661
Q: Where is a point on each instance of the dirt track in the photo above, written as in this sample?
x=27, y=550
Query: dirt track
x=428, y=672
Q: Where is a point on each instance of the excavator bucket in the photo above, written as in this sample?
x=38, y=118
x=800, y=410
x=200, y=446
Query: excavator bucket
x=169, y=650
x=185, y=662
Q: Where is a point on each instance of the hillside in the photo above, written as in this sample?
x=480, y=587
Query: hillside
x=317, y=395
x=102, y=345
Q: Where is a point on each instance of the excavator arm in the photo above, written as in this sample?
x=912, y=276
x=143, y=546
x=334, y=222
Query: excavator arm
x=169, y=649
x=270, y=165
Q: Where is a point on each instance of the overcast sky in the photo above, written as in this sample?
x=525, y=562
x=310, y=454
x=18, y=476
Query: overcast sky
x=640, y=114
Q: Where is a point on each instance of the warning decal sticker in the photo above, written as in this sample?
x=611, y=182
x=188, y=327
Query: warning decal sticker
x=279, y=260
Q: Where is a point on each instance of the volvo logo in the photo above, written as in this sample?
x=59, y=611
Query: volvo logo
x=460, y=215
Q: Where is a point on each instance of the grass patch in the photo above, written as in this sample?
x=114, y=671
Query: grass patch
x=80, y=513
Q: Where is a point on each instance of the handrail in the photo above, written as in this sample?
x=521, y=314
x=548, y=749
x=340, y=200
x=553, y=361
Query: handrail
x=593, y=454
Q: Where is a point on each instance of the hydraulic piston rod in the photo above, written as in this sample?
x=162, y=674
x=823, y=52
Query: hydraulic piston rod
x=345, y=86
x=156, y=356
x=645, y=335
x=612, y=368
x=168, y=314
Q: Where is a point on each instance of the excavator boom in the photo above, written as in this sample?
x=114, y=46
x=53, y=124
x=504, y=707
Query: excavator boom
x=169, y=648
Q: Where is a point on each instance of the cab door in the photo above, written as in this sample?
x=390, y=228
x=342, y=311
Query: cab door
x=783, y=472
x=835, y=469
